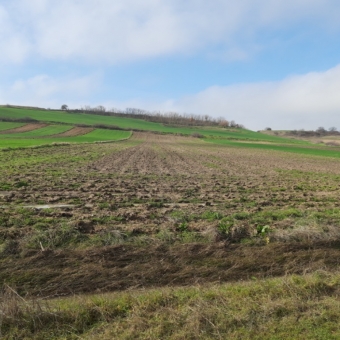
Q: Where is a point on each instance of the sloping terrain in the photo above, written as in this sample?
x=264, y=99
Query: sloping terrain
x=75, y=131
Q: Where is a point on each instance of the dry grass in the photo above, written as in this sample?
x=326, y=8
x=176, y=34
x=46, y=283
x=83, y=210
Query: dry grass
x=307, y=234
x=292, y=307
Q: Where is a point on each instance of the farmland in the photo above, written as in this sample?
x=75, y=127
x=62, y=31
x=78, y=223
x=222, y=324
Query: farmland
x=64, y=117
x=14, y=135
x=167, y=236
x=7, y=126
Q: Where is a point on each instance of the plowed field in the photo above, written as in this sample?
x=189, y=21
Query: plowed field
x=163, y=210
x=76, y=131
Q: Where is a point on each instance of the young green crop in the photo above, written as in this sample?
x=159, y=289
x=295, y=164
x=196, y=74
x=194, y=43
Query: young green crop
x=96, y=135
x=41, y=132
x=312, y=150
x=6, y=125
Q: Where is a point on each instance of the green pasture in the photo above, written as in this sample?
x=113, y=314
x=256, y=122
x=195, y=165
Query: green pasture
x=307, y=149
x=96, y=135
x=6, y=126
x=136, y=124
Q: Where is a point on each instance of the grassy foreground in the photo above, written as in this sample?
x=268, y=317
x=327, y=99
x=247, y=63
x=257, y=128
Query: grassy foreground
x=292, y=307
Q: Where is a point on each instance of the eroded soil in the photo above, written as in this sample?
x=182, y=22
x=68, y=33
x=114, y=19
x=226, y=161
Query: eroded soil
x=75, y=131
x=162, y=210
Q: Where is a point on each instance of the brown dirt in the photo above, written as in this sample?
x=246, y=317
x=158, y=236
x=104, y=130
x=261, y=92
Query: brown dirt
x=57, y=273
x=76, y=131
x=142, y=187
x=25, y=128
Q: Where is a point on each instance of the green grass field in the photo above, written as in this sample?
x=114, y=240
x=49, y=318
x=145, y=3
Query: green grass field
x=7, y=126
x=42, y=132
x=306, y=149
x=40, y=137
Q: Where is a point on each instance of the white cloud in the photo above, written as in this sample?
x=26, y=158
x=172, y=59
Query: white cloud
x=123, y=30
x=45, y=91
x=300, y=101
x=13, y=44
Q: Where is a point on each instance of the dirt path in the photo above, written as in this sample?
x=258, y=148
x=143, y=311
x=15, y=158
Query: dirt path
x=25, y=128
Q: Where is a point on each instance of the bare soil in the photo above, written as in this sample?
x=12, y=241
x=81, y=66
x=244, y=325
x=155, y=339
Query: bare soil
x=116, y=268
x=76, y=131
x=139, y=214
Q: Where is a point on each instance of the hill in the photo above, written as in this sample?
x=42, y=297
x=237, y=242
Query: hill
x=161, y=235
x=48, y=127
x=54, y=119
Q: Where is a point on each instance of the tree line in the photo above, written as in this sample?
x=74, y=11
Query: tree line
x=319, y=132
x=168, y=118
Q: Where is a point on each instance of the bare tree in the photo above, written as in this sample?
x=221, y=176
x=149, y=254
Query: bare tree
x=223, y=123
x=100, y=108
x=321, y=130
x=64, y=107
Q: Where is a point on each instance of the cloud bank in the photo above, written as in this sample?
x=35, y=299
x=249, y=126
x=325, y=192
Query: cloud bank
x=125, y=30
x=301, y=101
x=46, y=91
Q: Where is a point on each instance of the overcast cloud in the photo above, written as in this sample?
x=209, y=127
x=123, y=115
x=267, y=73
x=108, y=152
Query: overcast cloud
x=121, y=30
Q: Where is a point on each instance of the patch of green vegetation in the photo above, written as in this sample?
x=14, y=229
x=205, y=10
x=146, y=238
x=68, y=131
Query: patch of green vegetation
x=6, y=125
x=59, y=237
x=5, y=186
x=310, y=150
x=268, y=216
x=211, y=215
x=97, y=135
x=225, y=226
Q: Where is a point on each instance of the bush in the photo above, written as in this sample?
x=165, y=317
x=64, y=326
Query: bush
x=197, y=135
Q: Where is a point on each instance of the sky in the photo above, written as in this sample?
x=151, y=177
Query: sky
x=262, y=63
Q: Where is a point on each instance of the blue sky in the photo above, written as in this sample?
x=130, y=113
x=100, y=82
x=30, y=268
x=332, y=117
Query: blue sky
x=259, y=62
